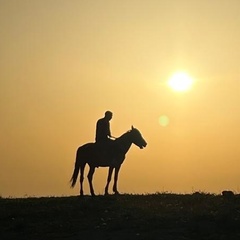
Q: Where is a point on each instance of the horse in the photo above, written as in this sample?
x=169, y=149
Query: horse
x=111, y=156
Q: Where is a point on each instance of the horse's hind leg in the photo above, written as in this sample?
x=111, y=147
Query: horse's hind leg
x=81, y=178
x=90, y=177
x=115, y=180
x=108, y=179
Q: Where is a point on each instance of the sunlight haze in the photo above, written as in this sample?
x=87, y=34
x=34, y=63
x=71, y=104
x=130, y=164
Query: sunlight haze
x=180, y=82
x=64, y=63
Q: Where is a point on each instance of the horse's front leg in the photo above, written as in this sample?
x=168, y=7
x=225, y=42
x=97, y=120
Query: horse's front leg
x=110, y=170
x=116, y=179
x=90, y=177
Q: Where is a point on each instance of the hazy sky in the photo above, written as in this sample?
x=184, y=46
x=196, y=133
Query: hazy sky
x=64, y=62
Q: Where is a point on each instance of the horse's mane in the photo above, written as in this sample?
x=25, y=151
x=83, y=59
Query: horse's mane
x=126, y=133
x=123, y=134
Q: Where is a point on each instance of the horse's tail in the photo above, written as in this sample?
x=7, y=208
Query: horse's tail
x=76, y=171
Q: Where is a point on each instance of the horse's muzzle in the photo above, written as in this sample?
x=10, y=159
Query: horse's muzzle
x=143, y=145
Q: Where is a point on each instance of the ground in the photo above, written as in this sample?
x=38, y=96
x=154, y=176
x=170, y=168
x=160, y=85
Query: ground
x=150, y=216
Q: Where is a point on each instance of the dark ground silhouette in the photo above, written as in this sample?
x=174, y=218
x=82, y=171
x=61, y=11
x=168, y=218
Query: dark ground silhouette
x=128, y=217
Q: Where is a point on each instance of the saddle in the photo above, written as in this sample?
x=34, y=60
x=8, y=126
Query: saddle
x=104, y=153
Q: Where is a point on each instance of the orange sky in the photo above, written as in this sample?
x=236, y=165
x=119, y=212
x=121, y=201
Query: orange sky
x=63, y=63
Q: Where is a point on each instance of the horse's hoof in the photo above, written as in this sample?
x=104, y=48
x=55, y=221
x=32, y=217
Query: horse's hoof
x=117, y=193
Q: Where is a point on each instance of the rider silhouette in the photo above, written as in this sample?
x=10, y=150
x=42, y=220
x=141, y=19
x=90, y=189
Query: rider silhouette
x=103, y=137
x=103, y=133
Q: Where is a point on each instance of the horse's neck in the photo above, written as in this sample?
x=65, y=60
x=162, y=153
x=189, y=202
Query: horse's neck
x=124, y=142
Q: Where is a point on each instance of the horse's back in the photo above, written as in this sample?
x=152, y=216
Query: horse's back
x=85, y=147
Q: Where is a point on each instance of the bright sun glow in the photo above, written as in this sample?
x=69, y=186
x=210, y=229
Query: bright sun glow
x=180, y=82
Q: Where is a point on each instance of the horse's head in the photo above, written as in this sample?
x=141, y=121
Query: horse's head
x=137, y=138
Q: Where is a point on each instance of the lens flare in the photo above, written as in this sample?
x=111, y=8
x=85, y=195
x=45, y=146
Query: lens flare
x=163, y=120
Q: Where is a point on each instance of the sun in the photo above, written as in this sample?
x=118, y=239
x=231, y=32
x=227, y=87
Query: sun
x=180, y=82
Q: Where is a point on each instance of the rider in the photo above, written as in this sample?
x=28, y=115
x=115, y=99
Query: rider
x=103, y=136
x=103, y=133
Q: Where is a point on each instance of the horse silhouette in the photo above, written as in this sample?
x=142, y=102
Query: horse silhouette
x=111, y=156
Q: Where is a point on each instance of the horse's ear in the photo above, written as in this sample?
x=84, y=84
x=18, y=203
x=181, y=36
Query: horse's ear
x=132, y=127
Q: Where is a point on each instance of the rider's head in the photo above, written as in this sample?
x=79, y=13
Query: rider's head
x=108, y=115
